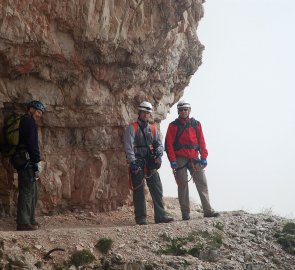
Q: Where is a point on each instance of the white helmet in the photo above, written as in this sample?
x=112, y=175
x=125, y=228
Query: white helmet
x=183, y=104
x=145, y=106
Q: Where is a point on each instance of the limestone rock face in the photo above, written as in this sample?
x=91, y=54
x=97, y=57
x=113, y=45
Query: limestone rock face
x=91, y=63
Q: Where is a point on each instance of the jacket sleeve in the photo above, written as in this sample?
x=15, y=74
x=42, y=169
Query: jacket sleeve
x=201, y=141
x=159, y=143
x=129, y=136
x=169, y=140
x=29, y=136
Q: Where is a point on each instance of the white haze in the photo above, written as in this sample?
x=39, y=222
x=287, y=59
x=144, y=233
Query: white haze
x=243, y=94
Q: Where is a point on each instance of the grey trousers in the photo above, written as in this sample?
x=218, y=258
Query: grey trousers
x=200, y=181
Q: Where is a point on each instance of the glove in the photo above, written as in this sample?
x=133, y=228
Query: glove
x=35, y=167
x=203, y=163
x=158, y=153
x=134, y=168
x=173, y=165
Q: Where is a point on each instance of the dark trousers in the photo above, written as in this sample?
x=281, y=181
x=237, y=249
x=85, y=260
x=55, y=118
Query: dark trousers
x=27, y=196
x=155, y=187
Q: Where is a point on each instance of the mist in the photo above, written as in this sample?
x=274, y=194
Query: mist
x=243, y=94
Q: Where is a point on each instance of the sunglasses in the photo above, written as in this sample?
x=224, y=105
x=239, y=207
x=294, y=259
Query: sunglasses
x=183, y=110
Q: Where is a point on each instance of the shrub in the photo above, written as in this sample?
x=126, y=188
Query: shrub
x=38, y=264
x=219, y=225
x=176, y=247
x=289, y=228
x=216, y=241
x=104, y=245
x=82, y=257
x=193, y=244
x=287, y=238
x=196, y=250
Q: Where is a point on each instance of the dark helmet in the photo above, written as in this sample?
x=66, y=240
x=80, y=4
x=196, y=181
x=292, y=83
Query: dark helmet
x=37, y=105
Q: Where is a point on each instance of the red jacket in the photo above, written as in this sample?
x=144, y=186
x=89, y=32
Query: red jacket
x=190, y=143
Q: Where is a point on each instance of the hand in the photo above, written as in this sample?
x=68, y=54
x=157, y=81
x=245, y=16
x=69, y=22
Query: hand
x=173, y=165
x=134, y=168
x=158, y=160
x=203, y=163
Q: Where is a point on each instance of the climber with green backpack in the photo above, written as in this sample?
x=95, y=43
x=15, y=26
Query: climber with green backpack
x=20, y=144
x=9, y=138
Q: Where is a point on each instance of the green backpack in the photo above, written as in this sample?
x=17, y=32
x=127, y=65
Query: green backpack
x=9, y=137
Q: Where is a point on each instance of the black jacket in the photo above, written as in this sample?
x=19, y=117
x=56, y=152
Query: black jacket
x=28, y=133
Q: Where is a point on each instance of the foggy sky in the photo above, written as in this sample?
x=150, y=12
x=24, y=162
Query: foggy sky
x=243, y=94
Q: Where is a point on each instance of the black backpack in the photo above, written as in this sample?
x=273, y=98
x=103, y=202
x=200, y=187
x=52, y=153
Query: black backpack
x=180, y=129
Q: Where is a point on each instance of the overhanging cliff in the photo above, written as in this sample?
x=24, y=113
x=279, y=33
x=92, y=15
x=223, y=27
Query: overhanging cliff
x=91, y=63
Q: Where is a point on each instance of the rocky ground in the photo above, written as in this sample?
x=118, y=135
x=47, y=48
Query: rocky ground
x=236, y=240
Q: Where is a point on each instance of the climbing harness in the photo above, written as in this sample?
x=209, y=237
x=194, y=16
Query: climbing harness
x=145, y=175
x=191, y=163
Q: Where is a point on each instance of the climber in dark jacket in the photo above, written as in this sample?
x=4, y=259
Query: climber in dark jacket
x=26, y=161
x=28, y=133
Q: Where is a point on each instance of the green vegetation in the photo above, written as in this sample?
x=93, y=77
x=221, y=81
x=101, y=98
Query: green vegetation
x=219, y=225
x=289, y=228
x=287, y=238
x=26, y=249
x=196, y=250
x=148, y=267
x=39, y=264
x=176, y=247
x=194, y=243
x=104, y=245
x=59, y=267
x=216, y=241
x=82, y=257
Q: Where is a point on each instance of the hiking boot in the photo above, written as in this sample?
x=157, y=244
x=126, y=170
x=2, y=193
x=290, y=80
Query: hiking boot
x=25, y=227
x=186, y=217
x=36, y=225
x=213, y=214
x=141, y=222
x=164, y=220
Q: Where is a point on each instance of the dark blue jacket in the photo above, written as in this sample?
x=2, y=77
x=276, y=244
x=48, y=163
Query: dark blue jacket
x=28, y=133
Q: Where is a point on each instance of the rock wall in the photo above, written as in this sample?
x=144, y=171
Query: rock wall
x=91, y=62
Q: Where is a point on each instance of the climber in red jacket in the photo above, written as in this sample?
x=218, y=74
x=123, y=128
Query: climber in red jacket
x=186, y=150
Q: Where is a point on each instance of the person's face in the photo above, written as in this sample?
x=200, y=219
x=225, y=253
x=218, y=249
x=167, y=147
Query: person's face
x=144, y=116
x=36, y=114
x=184, y=112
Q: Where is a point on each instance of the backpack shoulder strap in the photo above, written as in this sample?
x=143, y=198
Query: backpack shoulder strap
x=154, y=130
x=177, y=123
x=180, y=129
x=194, y=123
x=135, y=126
